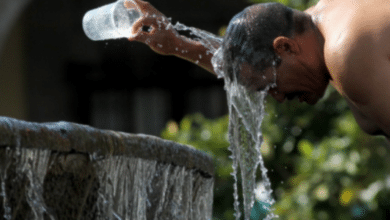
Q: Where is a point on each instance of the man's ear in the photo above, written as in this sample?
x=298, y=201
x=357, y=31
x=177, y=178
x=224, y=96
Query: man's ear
x=284, y=45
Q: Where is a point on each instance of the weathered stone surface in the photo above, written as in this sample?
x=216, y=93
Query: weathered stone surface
x=62, y=171
x=67, y=137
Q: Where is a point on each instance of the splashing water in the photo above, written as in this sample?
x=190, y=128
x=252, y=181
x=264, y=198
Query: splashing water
x=246, y=113
x=31, y=166
x=105, y=175
x=208, y=40
x=158, y=191
x=246, y=110
x=127, y=188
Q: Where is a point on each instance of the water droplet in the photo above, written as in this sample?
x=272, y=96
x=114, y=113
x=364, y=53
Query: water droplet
x=159, y=45
x=177, y=49
x=197, y=62
x=168, y=26
x=200, y=56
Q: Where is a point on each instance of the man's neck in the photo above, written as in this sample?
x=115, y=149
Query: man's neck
x=316, y=13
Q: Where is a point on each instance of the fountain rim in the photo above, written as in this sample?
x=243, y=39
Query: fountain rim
x=68, y=137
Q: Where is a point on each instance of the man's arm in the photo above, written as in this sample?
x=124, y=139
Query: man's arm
x=165, y=40
x=195, y=52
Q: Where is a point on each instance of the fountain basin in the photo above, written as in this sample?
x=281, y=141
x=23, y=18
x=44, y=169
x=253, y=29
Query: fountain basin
x=64, y=170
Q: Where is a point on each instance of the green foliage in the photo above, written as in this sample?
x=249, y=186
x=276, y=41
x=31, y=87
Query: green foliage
x=321, y=164
x=325, y=164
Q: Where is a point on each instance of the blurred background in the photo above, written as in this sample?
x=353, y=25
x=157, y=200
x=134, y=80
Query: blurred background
x=51, y=71
x=321, y=165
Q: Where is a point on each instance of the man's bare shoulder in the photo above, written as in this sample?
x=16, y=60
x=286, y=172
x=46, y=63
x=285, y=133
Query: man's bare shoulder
x=357, y=65
x=358, y=51
x=348, y=28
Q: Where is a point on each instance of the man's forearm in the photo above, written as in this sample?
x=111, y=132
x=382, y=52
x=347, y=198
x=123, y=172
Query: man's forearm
x=195, y=52
x=200, y=50
x=165, y=39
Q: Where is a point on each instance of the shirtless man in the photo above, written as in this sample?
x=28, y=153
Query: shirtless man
x=341, y=42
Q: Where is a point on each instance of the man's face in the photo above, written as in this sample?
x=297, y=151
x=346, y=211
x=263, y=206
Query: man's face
x=292, y=80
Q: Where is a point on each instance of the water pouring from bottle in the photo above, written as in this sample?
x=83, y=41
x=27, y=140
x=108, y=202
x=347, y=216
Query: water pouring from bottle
x=246, y=107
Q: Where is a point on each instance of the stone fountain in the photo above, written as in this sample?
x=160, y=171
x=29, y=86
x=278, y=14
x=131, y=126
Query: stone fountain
x=64, y=170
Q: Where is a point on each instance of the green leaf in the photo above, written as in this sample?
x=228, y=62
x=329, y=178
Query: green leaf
x=305, y=147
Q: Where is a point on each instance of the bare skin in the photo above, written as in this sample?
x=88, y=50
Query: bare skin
x=347, y=48
x=356, y=53
x=173, y=43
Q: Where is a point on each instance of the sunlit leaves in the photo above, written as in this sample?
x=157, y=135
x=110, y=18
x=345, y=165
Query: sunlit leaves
x=346, y=125
x=346, y=196
x=321, y=192
x=305, y=148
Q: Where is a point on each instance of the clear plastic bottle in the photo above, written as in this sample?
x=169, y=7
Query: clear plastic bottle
x=110, y=21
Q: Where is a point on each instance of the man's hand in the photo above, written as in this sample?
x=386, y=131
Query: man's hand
x=161, y=36
x=164, y=39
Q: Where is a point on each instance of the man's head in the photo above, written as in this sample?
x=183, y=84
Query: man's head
x=271, y=43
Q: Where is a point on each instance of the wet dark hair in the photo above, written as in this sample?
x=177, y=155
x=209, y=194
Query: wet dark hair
x=250, y=34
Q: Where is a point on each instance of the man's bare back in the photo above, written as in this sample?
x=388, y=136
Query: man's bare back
x=356, y=52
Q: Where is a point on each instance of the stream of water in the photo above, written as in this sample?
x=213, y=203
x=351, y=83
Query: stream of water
x=246, y=113
x=151, y=190
x=246, y=110
x=32, y=187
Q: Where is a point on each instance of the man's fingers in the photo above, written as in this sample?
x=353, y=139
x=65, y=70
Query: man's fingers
x=137, y=26
x=142, y=36
x=148, y=21
x=143, y=21
x=130, y=4
x=146, y=7
x=142, y=6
